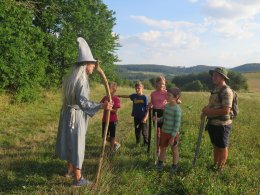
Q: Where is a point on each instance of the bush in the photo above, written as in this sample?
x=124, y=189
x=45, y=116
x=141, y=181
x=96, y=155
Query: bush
x=190, y=82
x=193, y=86
x=25, y=95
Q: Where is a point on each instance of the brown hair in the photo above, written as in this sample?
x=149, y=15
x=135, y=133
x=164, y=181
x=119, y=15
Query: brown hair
x=175, y=91
x=139, y=83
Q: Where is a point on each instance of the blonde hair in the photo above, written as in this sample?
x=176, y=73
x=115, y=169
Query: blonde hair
x=112, y=84
x=159, y=79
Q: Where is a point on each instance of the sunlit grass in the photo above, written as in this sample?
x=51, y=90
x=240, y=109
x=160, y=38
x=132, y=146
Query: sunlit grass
x=253, y=81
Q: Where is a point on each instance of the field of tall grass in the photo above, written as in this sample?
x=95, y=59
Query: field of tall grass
x=253, y=81
x=28, y=164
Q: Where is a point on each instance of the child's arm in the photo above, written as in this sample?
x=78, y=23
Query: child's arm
x=123, y=96
x=146, y=116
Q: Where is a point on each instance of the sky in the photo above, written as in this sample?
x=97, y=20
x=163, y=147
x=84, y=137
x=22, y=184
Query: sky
x=187, y=32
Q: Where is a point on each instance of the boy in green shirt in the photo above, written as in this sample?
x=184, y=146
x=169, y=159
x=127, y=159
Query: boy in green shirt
x=170, y=129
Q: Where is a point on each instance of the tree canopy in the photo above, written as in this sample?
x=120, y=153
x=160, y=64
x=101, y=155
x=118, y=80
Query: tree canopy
x=38, y=41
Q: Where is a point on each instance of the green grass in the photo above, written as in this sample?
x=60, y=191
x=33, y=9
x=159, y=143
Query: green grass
x=253, y=80
x=28, y=164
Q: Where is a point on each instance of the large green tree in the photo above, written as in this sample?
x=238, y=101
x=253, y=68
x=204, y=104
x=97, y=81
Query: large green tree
x=22, y=54
x=63, y=21
x=38, y=41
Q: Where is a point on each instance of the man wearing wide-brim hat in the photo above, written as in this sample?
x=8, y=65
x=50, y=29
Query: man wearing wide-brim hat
x=76, y=110
x=218, y=114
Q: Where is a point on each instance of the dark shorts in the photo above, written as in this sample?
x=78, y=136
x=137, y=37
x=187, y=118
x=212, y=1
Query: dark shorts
x=165, y=138
x=111, y=132
x=159, y=114
x=219, y=134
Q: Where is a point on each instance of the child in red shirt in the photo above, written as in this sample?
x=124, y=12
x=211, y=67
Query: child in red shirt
x=111, y=133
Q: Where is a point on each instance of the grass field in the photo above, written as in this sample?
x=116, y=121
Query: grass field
x=253, y=81
x=28, y=164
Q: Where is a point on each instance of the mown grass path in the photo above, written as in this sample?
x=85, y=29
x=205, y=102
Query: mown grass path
x=28, y=164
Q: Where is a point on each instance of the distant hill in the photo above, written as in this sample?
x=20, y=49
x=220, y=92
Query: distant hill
x=254, y=67
x=144, y=71
x=162, y=69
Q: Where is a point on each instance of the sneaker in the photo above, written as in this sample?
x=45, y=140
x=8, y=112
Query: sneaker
x=159, y=165
x=117, y=146
x=174, y=168
x=217, y=168
x=81, y=182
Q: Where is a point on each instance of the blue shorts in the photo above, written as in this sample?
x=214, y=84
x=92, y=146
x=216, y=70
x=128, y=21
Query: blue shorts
x=219, y=134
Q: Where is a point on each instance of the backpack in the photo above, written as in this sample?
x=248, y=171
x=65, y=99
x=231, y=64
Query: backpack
x=234, y=108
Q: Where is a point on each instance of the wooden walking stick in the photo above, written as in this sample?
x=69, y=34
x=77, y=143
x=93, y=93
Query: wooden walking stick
x=150, y=131
x=155, y=139
x=202, y=123
x=102, y=74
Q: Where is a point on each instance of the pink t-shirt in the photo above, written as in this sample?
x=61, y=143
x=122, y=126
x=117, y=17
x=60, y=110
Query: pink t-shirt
x=116, y=104
x=158, y=99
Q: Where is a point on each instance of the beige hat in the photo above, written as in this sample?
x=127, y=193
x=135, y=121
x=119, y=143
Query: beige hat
x=85, y=54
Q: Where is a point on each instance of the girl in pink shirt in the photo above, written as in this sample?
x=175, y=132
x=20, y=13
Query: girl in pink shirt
x=158, y=101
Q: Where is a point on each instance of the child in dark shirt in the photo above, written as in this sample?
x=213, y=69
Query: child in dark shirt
x=139, y=112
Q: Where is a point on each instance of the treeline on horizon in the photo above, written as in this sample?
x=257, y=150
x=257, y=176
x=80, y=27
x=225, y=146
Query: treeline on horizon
x=38, y=47
x=190, y=82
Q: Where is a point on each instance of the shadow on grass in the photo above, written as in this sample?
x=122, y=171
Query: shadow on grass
x=30, y=171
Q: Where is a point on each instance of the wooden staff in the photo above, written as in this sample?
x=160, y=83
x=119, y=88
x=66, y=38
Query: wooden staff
x=150, y=131
x=102, y=74
x=155, y=139
x=202, y=122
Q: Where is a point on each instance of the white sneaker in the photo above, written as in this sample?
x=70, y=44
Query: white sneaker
x=117, y=146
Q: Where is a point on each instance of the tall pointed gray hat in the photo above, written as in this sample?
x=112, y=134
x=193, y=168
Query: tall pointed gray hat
x=85, y=54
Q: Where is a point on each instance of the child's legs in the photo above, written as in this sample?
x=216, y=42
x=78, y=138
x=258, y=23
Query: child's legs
x=145, y=133
x=175, y=154
x=103, y=132
x=137, y=129
x=164, y=143
x=112, y=133
x=162, y=153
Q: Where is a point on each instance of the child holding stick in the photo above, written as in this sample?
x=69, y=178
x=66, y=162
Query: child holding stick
x=111, y=134
x=170, y=128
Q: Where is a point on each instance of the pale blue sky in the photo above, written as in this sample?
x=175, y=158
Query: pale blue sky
x=187, y=32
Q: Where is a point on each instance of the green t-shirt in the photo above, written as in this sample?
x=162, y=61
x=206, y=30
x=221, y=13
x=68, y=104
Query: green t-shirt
x=171, y=119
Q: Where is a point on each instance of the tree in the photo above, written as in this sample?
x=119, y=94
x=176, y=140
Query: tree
x=203, y=81
x=22, y=54
x=38, y=41
x=63, y=21
x=193, y=86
